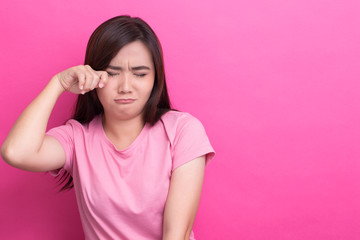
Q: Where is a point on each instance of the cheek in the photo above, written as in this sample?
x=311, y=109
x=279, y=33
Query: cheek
x=151, y=83
x=101, y=93
x=144, y=87
x=149, y=88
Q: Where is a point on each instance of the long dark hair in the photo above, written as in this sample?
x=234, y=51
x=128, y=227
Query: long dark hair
x=104, y=43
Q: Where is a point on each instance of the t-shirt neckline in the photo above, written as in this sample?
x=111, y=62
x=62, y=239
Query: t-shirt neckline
x=137, y=140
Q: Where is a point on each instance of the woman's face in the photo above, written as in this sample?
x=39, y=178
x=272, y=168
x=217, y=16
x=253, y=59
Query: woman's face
x=131, y=79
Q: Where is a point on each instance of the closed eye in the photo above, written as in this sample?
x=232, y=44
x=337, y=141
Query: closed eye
x=140, y=74
x=136, y=74
x=112, y=74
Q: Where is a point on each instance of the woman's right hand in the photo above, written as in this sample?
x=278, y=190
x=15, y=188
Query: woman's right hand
x=27, y=147
x=81, y=79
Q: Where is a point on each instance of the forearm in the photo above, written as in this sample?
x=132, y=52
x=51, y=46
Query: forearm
x=178, y=232
x=176, y=235
x=27, y=133
x=183, y=199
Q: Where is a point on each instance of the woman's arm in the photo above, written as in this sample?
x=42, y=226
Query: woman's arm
x=26, y=146
x=183, y=199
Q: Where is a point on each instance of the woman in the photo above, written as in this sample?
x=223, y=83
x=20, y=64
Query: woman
x=136, y=165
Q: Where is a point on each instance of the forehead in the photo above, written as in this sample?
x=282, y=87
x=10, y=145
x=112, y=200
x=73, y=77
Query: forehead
x=133, y=53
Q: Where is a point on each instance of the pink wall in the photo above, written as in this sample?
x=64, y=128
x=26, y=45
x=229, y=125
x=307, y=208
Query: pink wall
x=276, y=84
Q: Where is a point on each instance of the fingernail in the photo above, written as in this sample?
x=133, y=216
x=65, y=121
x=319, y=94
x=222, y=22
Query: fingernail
x=101, y=85
x=81, y=87
x=83, y=92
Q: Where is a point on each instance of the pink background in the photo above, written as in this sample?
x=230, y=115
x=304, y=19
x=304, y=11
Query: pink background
x=275, y=83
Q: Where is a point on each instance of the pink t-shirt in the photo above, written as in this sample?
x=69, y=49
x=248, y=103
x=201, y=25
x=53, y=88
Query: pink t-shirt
x=122, y=194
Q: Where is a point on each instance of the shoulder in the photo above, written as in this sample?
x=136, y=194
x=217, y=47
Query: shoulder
x=177, y=118
x=188, y=138
x=177, y=123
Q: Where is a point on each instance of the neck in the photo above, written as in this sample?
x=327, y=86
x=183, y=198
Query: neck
x=122, y=132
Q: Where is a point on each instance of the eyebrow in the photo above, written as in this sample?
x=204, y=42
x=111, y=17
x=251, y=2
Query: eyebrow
x=133, y=68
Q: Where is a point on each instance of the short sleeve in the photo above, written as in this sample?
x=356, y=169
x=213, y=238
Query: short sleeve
x=65, y=135
x=190, y=142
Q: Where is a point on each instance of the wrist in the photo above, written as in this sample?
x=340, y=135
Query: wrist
x=56, y=85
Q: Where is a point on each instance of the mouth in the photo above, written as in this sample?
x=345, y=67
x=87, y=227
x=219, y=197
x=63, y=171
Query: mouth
x=124, y=100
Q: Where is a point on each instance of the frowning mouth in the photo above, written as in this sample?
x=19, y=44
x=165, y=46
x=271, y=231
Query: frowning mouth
x=124, y=100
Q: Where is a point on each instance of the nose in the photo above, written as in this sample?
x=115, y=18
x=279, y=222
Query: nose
x=125, y=84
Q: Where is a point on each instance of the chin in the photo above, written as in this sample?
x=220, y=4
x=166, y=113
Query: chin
x=126, y=115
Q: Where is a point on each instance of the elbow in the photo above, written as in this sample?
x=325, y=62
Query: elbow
x=18, y=158
x=9, y=155
x=5, y=153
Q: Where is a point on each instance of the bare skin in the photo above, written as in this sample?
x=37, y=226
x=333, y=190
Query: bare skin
x=26, y=146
